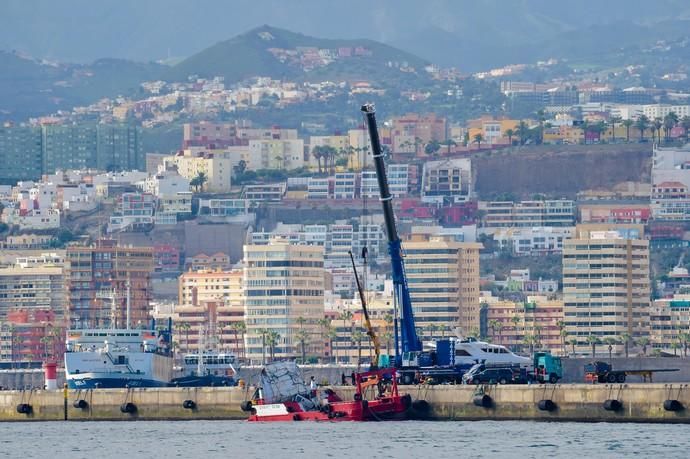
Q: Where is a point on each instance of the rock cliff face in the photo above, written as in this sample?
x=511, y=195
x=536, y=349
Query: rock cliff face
x=560, y=171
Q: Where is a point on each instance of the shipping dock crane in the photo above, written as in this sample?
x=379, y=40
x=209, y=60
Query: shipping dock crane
x=406, y=339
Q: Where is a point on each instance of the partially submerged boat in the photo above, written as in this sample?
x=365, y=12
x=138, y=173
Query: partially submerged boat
x=284, y=396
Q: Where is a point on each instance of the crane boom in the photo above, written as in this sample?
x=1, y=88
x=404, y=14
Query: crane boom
x=367, y=322
x=409, y=341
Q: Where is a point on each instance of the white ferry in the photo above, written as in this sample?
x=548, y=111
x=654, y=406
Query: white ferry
x=117, y=358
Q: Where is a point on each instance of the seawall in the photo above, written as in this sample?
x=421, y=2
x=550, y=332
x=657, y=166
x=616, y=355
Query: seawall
x=569, y=402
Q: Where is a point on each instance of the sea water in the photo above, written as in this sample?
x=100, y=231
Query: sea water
x=408, y=439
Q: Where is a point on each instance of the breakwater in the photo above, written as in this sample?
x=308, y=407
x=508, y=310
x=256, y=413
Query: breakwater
x=559, y=402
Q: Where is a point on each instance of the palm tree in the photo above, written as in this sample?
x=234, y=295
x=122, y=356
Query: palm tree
x=627, y=339
x=627, y=123
x=522, y=131
x=610, y=341
x=644, y=342
x=279, y=162
x=658, y=123
x=272, y=339
x=593, y=340
x=496, y=328
x=685, y=124
x=541, y=118
x=586, y=127
x=264, y=333
x=185, y=328
x=675, y=345
x=510, y=133
x=318, y=153
x=302, y=337
x=529, y=341
x=613, y=120
x=449, y=143
x=642, y=124
x=478, y=140
x=432, y=148
x=357, y=337
x=684, y=339
x=332, y=335
x=238, y=328
x=669, y=122
x=199, y=181
x=515, y=320
x=573, y=342
x=562, y=333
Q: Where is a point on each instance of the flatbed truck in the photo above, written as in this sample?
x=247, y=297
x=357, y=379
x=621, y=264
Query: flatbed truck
x=603, y=372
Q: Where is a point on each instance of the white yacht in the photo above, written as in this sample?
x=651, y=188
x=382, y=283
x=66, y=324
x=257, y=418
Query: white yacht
x=470, y=351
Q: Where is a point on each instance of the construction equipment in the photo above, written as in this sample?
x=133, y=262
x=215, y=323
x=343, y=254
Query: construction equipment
x=367, y=322
x=406, y=339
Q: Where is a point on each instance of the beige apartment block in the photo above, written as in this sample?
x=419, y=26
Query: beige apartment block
x=606, y=286
x=443, y=277
x=284, y=154
x=33, y=287
x=209, y=285
x=217, y=167
x=283, y=294
x=668, y=320
x=520, y=325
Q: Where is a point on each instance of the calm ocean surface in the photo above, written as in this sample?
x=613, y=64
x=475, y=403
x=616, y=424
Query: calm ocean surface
x=434, y=440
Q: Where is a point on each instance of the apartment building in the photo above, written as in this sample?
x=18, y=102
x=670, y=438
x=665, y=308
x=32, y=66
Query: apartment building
x=668, y=320
x=209, y=324
x=284, y=154
x=443, y=277
x=606, y=285
x=133, y=211
x=216, y=166
x=37, y=285
x=284, y=296
x=670, y=201
x=399, y=180
x=100, y=274
x=535, y=323
x=447, y=180
x=210, y=285
x=671, y=164
x=345, y=185
x=533, y=241
x=507, y=214
x=411, y=132
x=20, y=153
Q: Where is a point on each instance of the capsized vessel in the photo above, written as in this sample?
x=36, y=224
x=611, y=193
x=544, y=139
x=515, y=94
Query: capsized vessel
x=284, y=396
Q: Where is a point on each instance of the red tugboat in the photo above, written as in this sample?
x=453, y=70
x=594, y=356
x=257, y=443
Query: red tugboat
x=283, y=396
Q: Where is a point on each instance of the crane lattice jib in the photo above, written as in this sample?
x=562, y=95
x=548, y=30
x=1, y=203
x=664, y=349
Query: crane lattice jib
x=409, y=341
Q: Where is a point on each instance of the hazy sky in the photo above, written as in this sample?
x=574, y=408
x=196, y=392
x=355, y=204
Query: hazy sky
x=83, y=30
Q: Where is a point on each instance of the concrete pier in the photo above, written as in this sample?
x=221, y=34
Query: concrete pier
x=568, y=402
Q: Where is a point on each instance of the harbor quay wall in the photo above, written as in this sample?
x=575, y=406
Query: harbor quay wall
x=570, y=402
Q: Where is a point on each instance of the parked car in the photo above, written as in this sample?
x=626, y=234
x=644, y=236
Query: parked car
x=489, y=376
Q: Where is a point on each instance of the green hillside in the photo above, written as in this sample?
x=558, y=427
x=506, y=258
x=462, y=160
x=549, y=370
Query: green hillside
x=248, y=55
x=32, y=88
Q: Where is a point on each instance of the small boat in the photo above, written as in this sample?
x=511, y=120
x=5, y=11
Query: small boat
x=284, y=396
x=207, y=369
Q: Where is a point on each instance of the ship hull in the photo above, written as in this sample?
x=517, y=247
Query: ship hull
x=112, y=382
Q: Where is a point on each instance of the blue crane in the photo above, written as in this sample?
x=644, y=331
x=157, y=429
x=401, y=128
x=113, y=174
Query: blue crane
x=406, y=339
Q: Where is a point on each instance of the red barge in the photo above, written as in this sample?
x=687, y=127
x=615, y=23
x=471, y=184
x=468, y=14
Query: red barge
x=284, y=396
